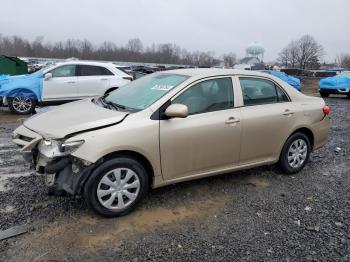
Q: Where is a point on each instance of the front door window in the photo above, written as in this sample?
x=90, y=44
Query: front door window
x=207, y=96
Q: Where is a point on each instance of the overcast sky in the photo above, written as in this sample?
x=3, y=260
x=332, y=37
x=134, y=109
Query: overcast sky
x=220, y=26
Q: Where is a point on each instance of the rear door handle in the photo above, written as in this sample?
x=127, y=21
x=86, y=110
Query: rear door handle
x=104, y=79
x=232, y=120
x=71, y=82
x=287, y=112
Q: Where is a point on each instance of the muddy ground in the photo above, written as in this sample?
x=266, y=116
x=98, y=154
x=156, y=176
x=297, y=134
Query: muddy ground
x=253, y=215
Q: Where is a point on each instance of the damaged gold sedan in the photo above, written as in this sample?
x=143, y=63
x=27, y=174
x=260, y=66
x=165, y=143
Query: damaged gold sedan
x=170, y=127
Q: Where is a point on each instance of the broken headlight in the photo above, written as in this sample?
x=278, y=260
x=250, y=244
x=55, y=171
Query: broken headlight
x=56, y=148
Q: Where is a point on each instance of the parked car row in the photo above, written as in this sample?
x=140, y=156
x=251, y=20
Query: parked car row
x=310, y=73
x=73, y=80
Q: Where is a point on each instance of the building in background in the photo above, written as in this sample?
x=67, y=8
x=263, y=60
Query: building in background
x=254, y=58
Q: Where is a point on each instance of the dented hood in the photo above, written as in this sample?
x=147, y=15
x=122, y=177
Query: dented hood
x=73, y=117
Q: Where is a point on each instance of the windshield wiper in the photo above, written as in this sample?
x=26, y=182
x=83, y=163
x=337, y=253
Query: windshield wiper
x=111, y=104
x=117, y=105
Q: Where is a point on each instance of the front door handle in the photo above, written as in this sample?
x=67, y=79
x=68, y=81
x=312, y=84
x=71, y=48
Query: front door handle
x=232, y=120
x=104, y=79
x=71, y=82
x=287, y=112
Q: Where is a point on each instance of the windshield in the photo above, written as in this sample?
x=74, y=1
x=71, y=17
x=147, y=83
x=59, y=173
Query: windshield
x=144, y=91
x=46, y=68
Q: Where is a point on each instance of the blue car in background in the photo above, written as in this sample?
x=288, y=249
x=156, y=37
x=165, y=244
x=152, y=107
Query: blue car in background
x=291, y=80
x=339, y=84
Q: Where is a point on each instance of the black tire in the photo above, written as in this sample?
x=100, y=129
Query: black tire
x=283, y=163
x=31, y=104
x=323, y=94
x=91, y=186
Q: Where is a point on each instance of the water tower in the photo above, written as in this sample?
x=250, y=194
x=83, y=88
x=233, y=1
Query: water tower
x=255, y=49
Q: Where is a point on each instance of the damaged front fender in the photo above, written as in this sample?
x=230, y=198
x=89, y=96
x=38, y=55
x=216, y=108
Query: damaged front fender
x=72, y=174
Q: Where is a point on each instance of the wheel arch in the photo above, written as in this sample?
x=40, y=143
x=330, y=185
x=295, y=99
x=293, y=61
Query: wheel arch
x=136, y=156
x=305, y=130
x=27, y=91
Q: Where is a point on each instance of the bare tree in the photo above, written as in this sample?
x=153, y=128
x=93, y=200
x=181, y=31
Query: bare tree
x=308, y=51
x=343, y=60
x=86, y=49
x=303, y=53
x=293, y=53
x=283, y=57
x=230, y=59
x=134, y=45
x=133, y=51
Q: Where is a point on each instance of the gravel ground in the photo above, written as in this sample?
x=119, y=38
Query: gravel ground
x=254, y=215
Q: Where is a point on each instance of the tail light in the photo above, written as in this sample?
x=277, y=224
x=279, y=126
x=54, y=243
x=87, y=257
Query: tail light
x=326, y=110
x=128, y=78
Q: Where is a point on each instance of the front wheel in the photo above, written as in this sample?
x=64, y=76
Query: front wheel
x=116, y=187
x=295, y=153
x=21, y=105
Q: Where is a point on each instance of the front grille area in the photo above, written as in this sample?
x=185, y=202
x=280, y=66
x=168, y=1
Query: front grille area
x=25, y=138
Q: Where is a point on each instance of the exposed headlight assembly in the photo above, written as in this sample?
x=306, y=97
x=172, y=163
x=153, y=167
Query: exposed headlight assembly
x=70, y=147
x=56, y=148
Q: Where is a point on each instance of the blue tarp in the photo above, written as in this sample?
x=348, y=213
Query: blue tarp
x=293, y=81
x=30, y=85
x=335, y=82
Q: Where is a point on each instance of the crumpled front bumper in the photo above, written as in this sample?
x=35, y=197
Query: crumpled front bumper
x=68, y=174
x=65, y=173
x=26, y=139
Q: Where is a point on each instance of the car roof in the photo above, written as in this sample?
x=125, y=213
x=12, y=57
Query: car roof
x=207, y=72
x=80, y=62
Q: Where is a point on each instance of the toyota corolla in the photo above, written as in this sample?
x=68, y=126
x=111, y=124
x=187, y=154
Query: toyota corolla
x=170, y=127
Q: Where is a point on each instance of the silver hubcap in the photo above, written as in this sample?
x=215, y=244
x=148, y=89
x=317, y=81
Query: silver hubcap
x=118, y=188
x=297, y=153
x=21, y=104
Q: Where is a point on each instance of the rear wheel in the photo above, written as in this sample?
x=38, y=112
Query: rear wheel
x=324, y=94
x=295, y=153
x=116, y=187
x=21, y=105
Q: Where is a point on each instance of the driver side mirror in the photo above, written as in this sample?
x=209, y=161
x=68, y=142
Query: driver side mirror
x=47, y=76
x=176, y=110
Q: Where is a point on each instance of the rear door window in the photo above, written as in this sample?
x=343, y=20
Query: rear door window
x=257, y=91
x=89, y=70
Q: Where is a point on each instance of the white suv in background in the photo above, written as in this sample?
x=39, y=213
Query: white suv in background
x=67, y=81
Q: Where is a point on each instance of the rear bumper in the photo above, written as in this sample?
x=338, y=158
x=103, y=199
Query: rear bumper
x=321, y=132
